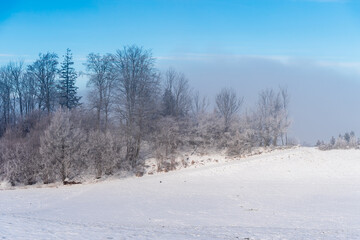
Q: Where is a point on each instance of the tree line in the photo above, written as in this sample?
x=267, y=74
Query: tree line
x=343, y=141
x=133, y=112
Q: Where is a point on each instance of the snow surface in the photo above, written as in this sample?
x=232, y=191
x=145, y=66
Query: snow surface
x=300, y=193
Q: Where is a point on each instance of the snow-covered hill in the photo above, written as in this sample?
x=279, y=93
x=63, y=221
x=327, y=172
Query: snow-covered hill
x=300, y=193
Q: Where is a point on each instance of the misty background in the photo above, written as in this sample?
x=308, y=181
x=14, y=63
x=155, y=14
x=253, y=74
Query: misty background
x=310, y=47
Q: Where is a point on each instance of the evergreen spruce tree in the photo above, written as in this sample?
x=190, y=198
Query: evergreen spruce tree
x=67, y=88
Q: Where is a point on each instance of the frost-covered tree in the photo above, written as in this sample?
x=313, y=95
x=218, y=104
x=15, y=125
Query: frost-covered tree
x=332, y=141
x=166, y=139
x=285, y=123
x=207, y=132
x=272, y=114
x=228, y=105
x=67, y=88
x=21, y=165
x=319, y=143
x=347, y=137
x=62, y=148
x=352, y=140
x=20, y=162
x=137, y=91
x=101, y=152
x=348, y=140
x=199, y=104
x=176, y=98
x=341, y=142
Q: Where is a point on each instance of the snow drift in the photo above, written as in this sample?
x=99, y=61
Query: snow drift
x=300, y=193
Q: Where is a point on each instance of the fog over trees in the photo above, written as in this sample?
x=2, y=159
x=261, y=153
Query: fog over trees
x=133, y=113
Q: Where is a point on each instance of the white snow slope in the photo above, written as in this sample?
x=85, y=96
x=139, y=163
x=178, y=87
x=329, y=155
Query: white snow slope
x=300, y=193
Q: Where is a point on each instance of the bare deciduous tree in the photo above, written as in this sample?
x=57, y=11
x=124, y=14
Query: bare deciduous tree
x=137, y=89
x=5, y=92
x=272, y=115
x=44, y=71
x=227, y=105
x=286, y=122
x=129, y=119
x=199, y=104
x=29, y=93
x=177, y=97
x=16, y=71
x=102, y=83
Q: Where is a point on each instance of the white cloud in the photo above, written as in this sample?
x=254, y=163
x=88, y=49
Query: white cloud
x=6, y=55
x=205, y=57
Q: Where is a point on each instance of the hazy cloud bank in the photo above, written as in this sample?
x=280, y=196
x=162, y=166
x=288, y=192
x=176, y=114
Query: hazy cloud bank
x=324, y=95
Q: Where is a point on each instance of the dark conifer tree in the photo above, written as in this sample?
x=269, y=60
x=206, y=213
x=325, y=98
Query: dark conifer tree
x=168, y=103
x=67, y=89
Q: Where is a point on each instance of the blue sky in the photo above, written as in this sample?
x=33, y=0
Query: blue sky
x=311, y=46
x=318, y=29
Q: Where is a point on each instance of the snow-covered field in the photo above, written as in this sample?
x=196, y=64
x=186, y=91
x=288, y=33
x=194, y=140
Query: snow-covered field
x=300, y=193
